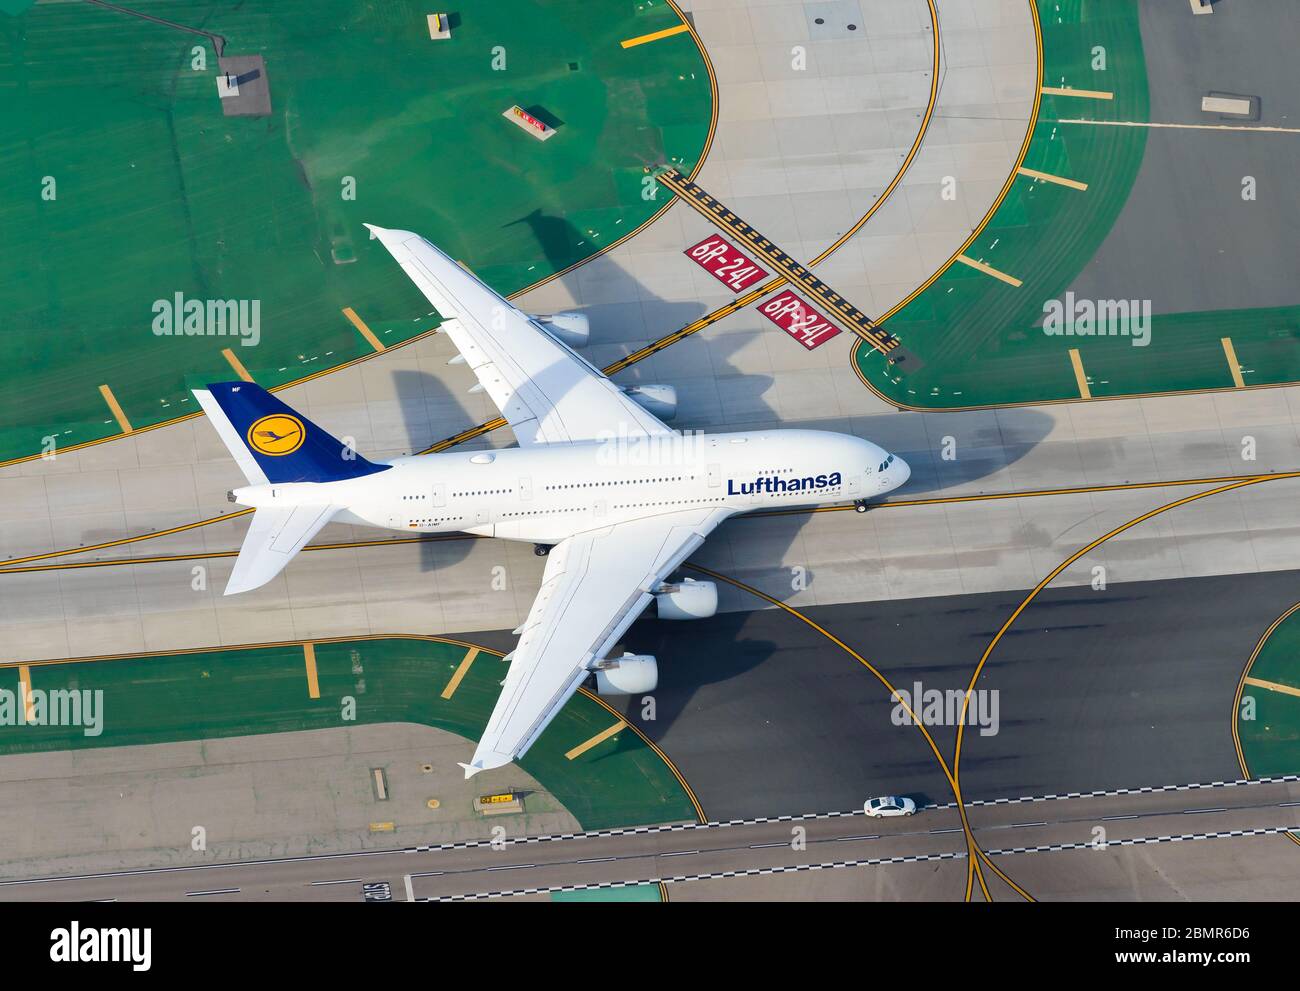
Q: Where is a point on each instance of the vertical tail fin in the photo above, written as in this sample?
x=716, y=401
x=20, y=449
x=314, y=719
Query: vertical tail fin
x=272, y=443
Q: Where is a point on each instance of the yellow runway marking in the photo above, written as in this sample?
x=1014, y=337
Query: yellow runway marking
x=1076, y=363
x=599, y=738
x=461, y=671
x=237, y=365
x=382, y=827
x=309, y=658
x=1010, y=280
x=1273, y=686
x=25, y=689
x=646, y=38
x=1183, y=127
x=366, y=332
x=1048, y=177
x=1051, y=577
x=1089, y=94
x=1234, y=365
x=975, y=854
x=115, y=408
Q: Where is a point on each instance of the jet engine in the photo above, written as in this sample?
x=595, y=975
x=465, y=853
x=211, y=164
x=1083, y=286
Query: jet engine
x=574, y=329
x=658, y=400
x=687, y=600
x=631, y=674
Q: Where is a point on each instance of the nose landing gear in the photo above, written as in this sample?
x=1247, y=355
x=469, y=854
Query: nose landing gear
x=541, y=550
x=860, y=505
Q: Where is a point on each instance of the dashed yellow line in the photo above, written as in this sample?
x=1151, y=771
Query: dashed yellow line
x=1088, y=94
x=1076, y=363
x=1273, y=686
x=309, y=659
x=1234, y=366
x=1048, y=177
x=461, y=671
x=979, y=266
x=116, y=408
x=25, y=689
x=366, y=332
x=599, y=738
x=237, y=365
x=647, y=38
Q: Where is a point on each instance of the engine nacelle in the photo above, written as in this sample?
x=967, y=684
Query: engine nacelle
x=574, y=329
x=658, y=400
x=631, y=674
x=689, y=600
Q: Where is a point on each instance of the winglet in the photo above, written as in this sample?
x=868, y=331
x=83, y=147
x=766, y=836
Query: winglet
x=470, y=770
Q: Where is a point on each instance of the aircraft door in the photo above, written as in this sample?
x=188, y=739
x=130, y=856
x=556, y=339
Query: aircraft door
x=715, y=476
x=440, y=493
x=525, y=487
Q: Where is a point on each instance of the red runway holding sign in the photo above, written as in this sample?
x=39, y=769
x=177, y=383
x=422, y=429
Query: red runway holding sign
x=799, y=320
x=725, y=263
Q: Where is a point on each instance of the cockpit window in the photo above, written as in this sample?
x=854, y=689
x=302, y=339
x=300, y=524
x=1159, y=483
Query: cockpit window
x=886, y=463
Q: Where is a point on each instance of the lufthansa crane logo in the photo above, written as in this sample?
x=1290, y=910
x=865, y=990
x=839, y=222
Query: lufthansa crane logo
x=276, y=435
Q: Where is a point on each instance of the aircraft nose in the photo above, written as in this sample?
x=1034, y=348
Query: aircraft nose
x=903, y=469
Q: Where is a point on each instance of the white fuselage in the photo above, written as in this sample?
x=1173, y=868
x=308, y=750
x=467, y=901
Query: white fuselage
x=546, y=493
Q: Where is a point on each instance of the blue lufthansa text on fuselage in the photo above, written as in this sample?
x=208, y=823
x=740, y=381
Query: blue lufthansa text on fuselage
x=774, y=483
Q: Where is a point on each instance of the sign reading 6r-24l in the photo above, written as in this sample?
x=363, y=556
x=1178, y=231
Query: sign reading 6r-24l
x=725, y=263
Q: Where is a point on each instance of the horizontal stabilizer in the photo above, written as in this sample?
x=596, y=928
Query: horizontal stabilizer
x=274, y=537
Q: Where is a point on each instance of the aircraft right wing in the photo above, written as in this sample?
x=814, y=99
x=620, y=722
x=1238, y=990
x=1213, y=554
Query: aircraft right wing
x=596, y=583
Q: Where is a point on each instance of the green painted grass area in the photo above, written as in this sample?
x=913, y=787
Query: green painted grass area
x=982, y=339
x=157, y=192
x=244, y=691
x=1271, y=740
x=631, y=893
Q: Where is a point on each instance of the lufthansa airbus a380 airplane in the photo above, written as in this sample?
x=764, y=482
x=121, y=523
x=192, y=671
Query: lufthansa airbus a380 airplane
x=616, y=499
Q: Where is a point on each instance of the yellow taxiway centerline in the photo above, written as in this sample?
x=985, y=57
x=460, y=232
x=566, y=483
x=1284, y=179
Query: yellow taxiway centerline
x=1234, y=365
x=646, y=38
x=599, y=738
x=1010, y=280
x=1088, y=94
x=1076, y=363
x=366, y=332
x=309, y=659
x=115, y=408
x=1048, y=177
x=236, y=364
x=461, y=671
x=1273, y=686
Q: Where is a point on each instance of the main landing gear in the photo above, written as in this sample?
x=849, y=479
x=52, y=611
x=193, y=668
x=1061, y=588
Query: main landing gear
x=860, y=505
x=541, y=550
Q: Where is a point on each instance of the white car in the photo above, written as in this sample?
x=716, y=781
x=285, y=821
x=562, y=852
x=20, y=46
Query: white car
x=890, y=805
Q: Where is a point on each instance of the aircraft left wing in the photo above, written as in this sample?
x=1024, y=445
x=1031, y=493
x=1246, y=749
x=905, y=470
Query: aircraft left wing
x=596, y=583
x=545, y=390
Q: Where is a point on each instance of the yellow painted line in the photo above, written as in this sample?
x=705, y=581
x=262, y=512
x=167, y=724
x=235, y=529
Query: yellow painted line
x=1090, y=94
x=25, y=688
x=309, y=657
x=599, y=738
x=645, y=38
x=1048, y=177
x=113, y=405
x=366, y=332
x=1183, y=127
x=461, y=671
x=1010, y=280
x=1273, y=686
x=1077, y=363
x=237, y=365
x=382, y=827
x=1234, y=365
